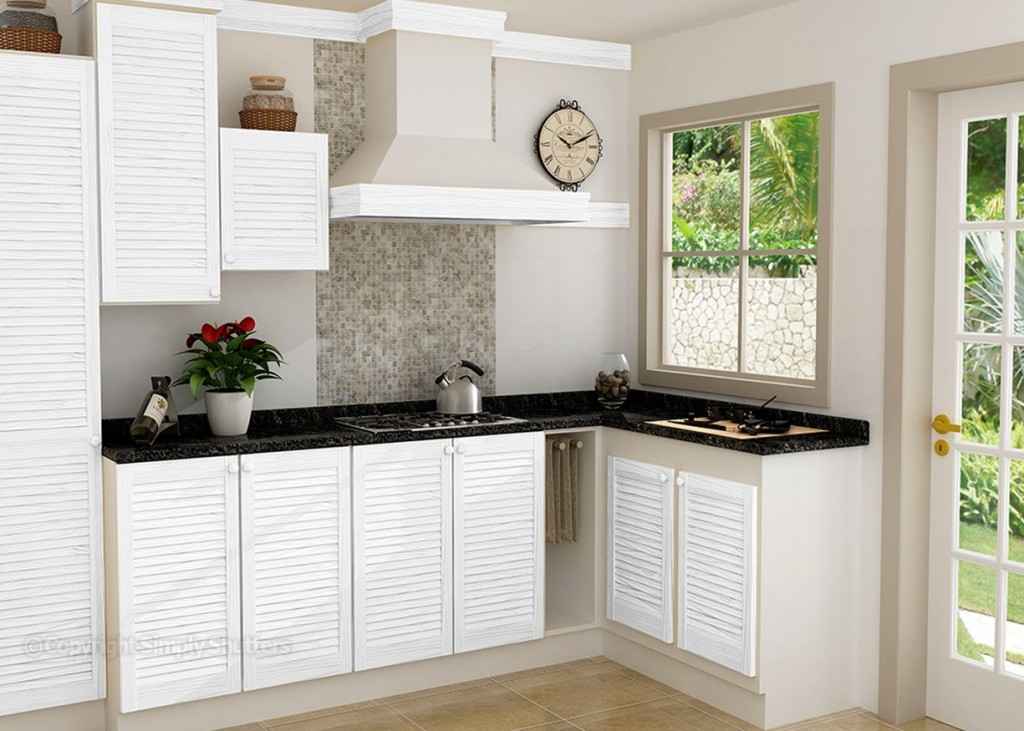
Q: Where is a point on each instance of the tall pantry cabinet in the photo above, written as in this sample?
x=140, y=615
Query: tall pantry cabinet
x=51, y=612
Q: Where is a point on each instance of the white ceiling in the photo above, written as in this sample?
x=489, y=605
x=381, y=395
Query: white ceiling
x=622, y=21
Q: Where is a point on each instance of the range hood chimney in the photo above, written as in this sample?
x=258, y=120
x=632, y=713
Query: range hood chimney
x=428, y=154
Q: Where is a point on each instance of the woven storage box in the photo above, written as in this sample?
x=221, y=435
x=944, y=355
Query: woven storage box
x=277, y=120
x=29, y=39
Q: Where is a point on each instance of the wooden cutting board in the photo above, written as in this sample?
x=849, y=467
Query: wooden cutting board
x=732, y=430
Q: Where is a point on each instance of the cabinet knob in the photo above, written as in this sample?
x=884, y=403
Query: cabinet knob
x=663, y=477
x=96, y=441
x=230, y=258
x=460, y=449
x=233, y=468
x=215, y=291
x=679, y=480
x=247, y=467
x=449, y=449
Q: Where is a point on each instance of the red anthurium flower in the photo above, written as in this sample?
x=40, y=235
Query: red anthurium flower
x=247, y=323
x=251, y=343
x=209, y=333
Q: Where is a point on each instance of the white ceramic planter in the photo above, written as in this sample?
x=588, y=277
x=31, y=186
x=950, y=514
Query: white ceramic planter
x=228, y=412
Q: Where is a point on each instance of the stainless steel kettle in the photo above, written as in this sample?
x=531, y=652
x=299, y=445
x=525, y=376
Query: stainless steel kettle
x=459, y=395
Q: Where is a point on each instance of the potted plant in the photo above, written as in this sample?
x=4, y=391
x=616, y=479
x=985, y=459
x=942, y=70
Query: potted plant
x=228, y=365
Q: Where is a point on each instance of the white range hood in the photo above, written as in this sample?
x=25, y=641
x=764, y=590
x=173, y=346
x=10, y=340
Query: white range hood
x=428, y=154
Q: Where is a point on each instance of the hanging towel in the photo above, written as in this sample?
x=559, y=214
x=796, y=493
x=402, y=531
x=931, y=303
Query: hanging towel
x=561, y=474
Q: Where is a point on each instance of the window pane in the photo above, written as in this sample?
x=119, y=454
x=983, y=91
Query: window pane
x=1017, y=296
x=703, y=312
x=1015, y=625
x=706, y=200
x=980, y=407
x=979, y=503
x=1016, y=523
x=976, y=611
x=983, y=282
x=1017, y=403
x=986, y=170
x=784, y=182
x=782, y=316
x=1020, y=167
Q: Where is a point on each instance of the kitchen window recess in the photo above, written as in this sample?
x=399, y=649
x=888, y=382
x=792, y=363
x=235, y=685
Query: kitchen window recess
x=735, y=293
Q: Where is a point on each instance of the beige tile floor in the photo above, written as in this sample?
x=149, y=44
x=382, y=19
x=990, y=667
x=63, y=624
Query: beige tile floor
x=595, y=694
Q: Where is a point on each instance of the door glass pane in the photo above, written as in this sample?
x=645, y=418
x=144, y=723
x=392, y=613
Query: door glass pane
x=983, y=282
x=1018, y=286
x=784, y=182
x=706, y=203
x=1015, y=525
x=979, y=503
x=703, y=312
x=976, y=602
x=980, y=407
x=986, y=169
x=1020, y=167
x=1015, y=625
x=782, y=316
x=1017, y=402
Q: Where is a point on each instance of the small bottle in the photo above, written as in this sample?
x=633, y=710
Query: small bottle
x=268, y=92
x=151, y=415
x=27, y=14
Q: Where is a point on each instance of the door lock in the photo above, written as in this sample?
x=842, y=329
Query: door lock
x=941, y=447
x=943, y=425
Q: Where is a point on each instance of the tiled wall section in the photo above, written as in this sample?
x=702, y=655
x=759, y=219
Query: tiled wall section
x=400, y=301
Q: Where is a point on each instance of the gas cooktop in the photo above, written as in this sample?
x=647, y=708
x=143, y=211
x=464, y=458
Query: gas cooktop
x=384, y=423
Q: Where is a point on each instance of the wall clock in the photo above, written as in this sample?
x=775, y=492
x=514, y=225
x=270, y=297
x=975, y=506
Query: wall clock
x=568, y=145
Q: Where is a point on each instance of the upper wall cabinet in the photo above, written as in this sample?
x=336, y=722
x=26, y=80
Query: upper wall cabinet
x=159, y=193
x=274, y=211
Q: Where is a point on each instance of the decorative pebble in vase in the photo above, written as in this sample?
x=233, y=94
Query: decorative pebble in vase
x=28, y=25
x=268, y=105
x=613, y=381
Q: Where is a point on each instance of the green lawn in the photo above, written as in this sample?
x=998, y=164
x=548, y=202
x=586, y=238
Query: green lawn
x=978, y=583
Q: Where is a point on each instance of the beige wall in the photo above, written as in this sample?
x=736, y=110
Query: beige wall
x=853, y=44
x=564, y=295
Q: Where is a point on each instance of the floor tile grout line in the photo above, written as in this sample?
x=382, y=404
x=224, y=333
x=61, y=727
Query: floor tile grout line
x=709, y=715
x=530, y=700
x=403, y=716
x=864, y=714
x=646, y=685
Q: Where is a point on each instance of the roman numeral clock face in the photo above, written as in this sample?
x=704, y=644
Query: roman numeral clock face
x=568, y=145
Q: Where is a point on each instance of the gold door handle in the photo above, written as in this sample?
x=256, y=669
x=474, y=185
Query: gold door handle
x=943, y=425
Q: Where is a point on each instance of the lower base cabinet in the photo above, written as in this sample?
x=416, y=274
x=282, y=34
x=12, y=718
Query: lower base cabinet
x=232, y=572
x=448, y=546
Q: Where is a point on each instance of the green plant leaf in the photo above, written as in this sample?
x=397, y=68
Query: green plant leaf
x=195, y=383
x=248, y=384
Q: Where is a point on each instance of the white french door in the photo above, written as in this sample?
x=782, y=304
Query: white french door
x=976, y=569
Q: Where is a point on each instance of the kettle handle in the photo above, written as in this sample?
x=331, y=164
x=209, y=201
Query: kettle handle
x=473, y=367
x=458, y=364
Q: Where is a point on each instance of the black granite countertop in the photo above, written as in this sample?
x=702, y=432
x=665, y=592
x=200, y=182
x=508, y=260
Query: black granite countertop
x=281, y=430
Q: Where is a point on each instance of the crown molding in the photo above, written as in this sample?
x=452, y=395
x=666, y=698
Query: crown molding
x=289, y=20
x=405, y=15
x=571, y=51
x=430, y=18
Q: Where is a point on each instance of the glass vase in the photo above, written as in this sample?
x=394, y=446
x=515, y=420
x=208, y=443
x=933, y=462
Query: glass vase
x=613, y=381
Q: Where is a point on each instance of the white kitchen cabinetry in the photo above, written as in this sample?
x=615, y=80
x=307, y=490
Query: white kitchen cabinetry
x=158, y=138
x=274, y=213
x=51, y=608
x=178, y=581
x=448, y=539
x=641, y=507
x=296, y=566
x=499, y=540
x=232, y=573
x=717, y=561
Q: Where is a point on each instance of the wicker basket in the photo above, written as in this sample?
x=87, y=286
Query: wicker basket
x=30, y=39
x=278, y=120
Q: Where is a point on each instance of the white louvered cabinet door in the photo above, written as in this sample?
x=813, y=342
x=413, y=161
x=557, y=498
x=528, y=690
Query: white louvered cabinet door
x=296, y=566
x=499, y=540
x=717, y=563
x=274, y=212
x=159, y=187
x=178, y=581
x=51, y=601
x=641, y=507
x=402, y=548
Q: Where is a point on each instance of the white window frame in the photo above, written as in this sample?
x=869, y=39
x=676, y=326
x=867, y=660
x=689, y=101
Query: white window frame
x=655, y=223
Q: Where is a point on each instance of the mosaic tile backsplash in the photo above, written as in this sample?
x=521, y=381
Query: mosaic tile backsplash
x=401, y=300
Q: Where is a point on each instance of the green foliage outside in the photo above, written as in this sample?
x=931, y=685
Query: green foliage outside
x=706, y=200
x=979, y=491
